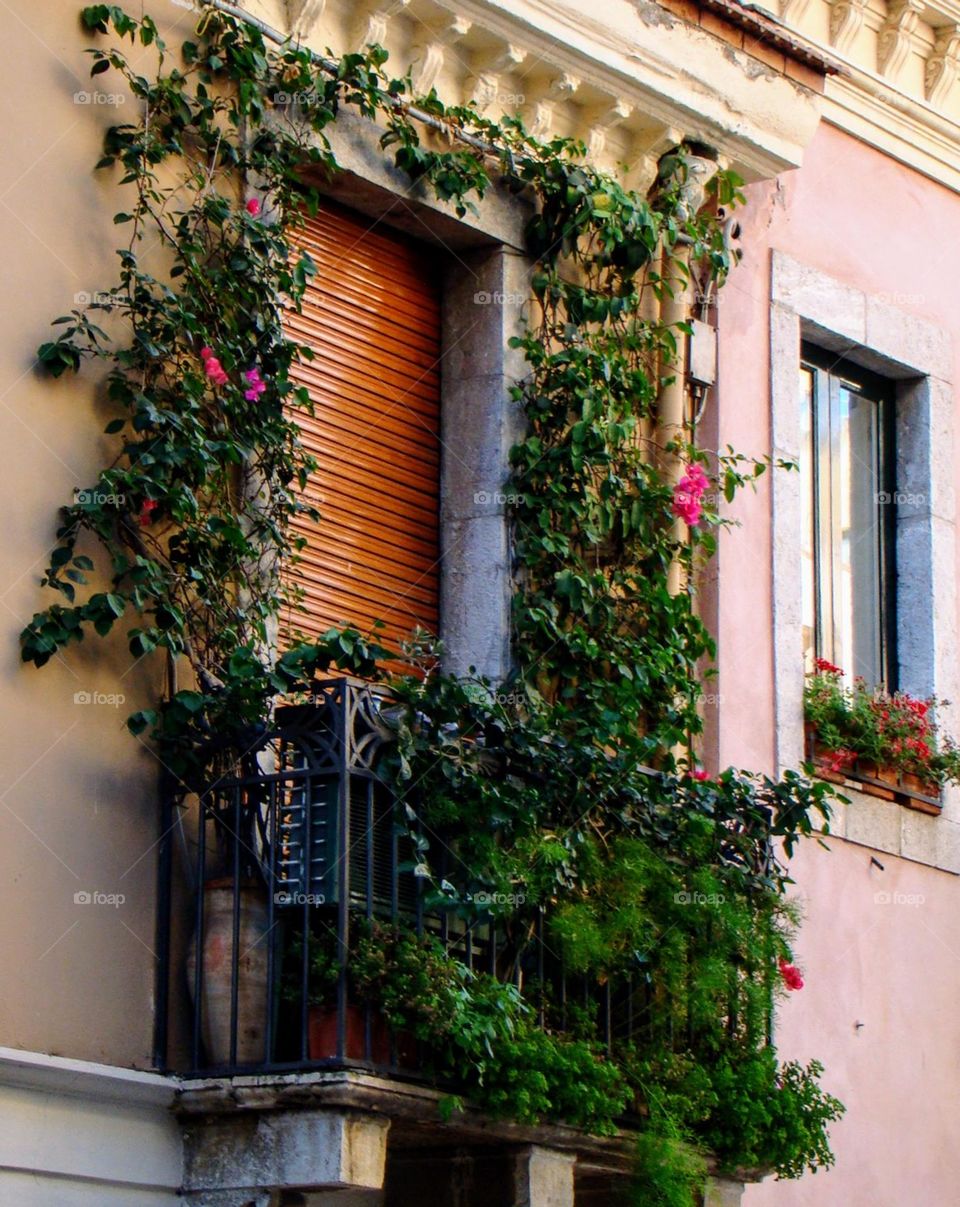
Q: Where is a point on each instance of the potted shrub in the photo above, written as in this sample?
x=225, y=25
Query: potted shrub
x=323, y=1014
x=889, y=742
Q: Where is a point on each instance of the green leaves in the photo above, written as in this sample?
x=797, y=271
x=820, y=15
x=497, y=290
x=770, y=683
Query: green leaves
x=59, y=357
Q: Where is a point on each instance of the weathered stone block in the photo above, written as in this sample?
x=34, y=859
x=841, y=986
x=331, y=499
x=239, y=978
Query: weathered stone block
x=837, y=309
x=286, y=1149
x=872, y=822
x=723, y=1192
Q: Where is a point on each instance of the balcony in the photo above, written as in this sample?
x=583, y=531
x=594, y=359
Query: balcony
x=283, y=881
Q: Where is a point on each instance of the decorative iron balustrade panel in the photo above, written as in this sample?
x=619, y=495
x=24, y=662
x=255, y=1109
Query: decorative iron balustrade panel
x=295, y=837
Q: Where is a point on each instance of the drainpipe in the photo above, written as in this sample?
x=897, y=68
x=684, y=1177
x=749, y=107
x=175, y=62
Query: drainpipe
x=686, y=169
x=671, y=404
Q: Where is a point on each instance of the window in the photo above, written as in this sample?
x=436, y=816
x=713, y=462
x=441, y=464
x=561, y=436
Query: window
x=848, y=577
x=372, y=318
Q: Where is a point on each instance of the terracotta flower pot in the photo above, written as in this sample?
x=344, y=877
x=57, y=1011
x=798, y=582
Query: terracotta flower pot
x=913, y=783
x=322, y=1034
x=888, y=775
x=216, y=992
x=825, y=772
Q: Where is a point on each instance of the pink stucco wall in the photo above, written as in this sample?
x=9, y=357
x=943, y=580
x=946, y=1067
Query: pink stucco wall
x=880, y=948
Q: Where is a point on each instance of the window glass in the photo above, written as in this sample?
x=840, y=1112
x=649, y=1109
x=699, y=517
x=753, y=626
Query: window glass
x=857, y=636
x=808, y=551
x=846, y=546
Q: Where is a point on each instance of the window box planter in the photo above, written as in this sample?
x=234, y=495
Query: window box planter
x=873, y=779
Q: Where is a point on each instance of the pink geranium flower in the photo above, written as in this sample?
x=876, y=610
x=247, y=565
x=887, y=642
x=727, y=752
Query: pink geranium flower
x=213, y=368
x=792, y=977
x=147, y=508
x=253, y=207
x=700, y=775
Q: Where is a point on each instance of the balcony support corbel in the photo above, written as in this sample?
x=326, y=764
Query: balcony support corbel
x=275, y=1158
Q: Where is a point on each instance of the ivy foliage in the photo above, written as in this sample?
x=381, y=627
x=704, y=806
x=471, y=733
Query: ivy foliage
x=554, y=805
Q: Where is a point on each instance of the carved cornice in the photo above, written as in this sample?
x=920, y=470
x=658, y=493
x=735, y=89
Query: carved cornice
x=905, y=129
x=846, y=17
x=610, y=75
x=431, y=48
x=559, y=88
x=792, y=12
x=371, y=22
x=603, y=120
x=943, y=66
x=896, y=35
x=488, y=86
x=881, y=98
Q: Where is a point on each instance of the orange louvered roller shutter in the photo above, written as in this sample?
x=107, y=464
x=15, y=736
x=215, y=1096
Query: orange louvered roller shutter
x=372, y=317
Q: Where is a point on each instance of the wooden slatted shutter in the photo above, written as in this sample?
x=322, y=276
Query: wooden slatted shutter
x=372, y=317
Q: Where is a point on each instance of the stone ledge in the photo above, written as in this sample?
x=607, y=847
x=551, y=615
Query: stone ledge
x=414, y=1112
x=416, y=1124
x=897, y=830
x=83, y=1079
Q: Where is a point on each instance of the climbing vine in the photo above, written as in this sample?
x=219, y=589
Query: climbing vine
x=560, y=793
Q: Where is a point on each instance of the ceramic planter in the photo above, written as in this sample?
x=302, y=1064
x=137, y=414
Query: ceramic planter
x=921, y=795
x=217, y=956
x=322, y=1035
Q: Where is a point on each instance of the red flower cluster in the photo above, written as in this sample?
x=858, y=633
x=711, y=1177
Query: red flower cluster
x=792, y=977
x=840, y=760
x=895, y=732
x=903, y=721
x=212, y=367
x=145, y=518
x=700, y=775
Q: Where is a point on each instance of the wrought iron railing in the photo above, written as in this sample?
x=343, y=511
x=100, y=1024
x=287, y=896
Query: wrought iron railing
x=267, y=876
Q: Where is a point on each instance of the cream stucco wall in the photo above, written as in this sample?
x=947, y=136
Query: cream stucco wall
x=77, y=794
x=880, y=947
